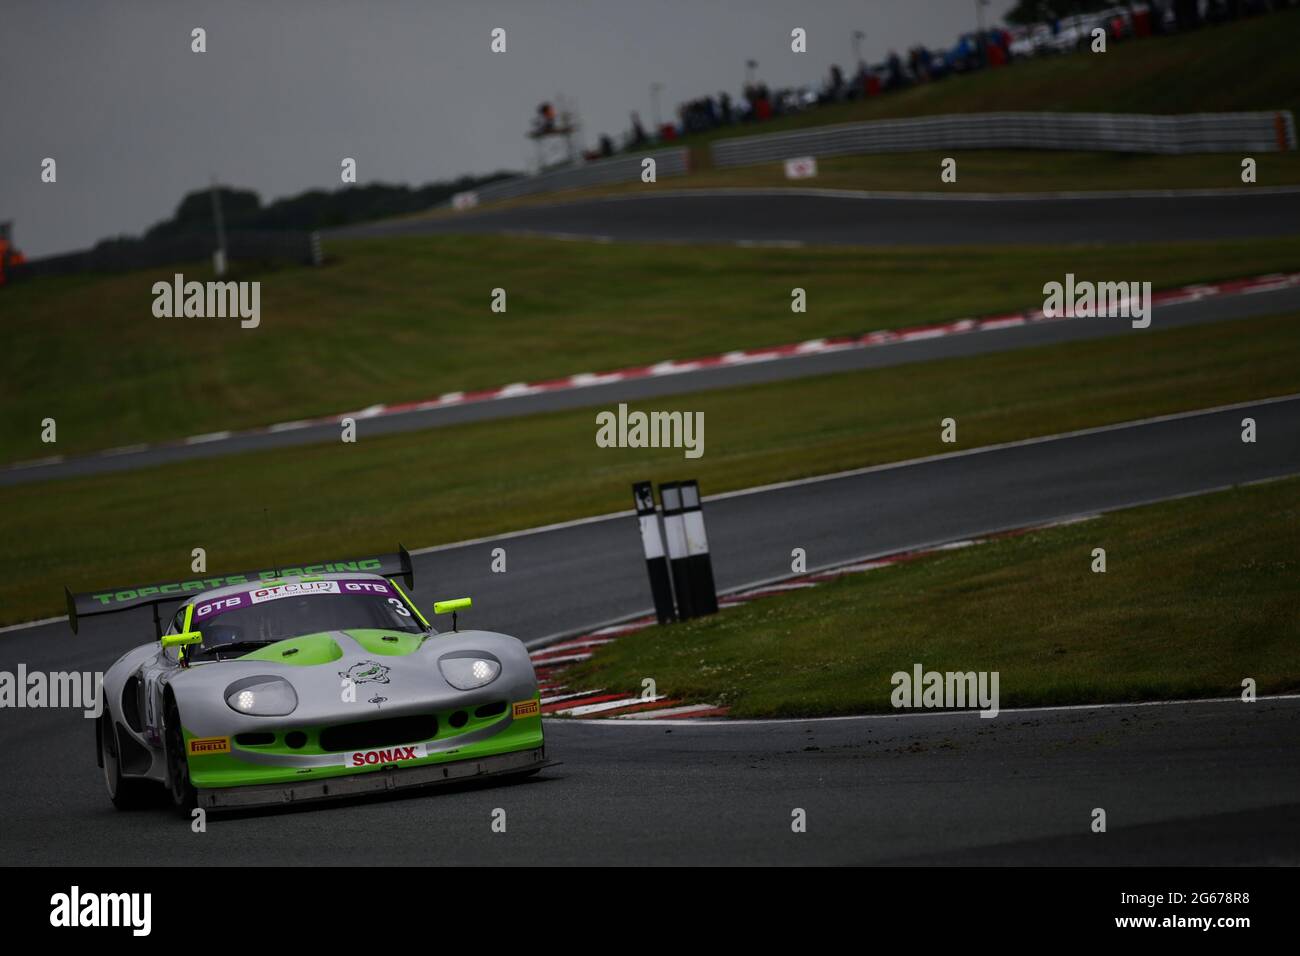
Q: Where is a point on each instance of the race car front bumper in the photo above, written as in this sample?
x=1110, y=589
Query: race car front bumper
x=377, y=781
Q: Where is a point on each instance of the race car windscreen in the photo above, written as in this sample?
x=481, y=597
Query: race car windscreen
x=277, y=612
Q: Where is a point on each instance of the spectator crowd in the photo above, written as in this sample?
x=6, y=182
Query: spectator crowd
x=993, y=48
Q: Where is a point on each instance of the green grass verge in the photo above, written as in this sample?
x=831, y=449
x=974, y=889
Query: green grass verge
x=406, y=319
x=478, y=479
x=1198, y=594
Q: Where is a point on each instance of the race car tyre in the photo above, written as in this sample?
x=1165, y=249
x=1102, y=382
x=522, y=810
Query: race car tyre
x=126, y=794
x=184, y=797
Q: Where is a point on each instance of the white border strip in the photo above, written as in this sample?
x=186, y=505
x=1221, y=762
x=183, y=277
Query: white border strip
x=815, y=479
x=1018, y=443
x=748, y=722
x=877, y=339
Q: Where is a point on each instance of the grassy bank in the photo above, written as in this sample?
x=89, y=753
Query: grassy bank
x=478, y=479
x=1198, y=595
x=1247, y=65
x=406, y=319
x=1244, y=66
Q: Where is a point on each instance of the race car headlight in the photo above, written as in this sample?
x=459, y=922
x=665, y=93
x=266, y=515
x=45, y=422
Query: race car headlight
x=467, y=673
x=262, y=697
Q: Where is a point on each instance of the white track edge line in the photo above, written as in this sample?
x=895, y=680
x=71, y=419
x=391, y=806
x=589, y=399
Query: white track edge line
x=727, y=722
x=813, y=479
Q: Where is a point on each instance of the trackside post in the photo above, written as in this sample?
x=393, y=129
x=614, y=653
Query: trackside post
x=699, y=565
x=670, y=496
x=652, y=543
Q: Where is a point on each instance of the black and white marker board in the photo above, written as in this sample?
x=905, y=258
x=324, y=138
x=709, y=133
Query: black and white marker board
x=652, y=543
x=699, y=565
x=675, y=534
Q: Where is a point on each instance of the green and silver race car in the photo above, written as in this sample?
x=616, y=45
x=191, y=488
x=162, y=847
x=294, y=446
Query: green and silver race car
x=286, y=685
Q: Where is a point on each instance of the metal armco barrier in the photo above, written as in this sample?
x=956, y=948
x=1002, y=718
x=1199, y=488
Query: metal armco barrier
x=1110, y=132
x=618, y=169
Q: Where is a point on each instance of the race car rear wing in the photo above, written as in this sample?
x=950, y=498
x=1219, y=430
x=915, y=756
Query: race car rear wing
x=113, y=600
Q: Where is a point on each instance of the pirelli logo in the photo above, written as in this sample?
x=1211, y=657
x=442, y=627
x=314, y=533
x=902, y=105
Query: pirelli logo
x=526, y=708
x=202, y=746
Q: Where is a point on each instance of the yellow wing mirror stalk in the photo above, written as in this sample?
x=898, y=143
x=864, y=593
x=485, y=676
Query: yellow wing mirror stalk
x=181, y=640
x=451, y=607
x=184, y=638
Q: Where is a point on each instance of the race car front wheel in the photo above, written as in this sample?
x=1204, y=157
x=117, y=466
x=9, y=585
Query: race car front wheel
x=126, y=793
x=184, y=798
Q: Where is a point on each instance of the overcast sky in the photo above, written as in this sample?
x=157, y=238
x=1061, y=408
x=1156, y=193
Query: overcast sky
x=409, y=88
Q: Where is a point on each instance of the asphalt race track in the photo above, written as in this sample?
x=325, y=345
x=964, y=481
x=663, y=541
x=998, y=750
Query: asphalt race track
x=1164, y=316
x=1185, y=784
x=844, y=218
x=1211, y=782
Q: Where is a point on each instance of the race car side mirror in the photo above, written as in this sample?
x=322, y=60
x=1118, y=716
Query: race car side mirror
x=186, y=637
x=452, y=606
x=180, y=640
